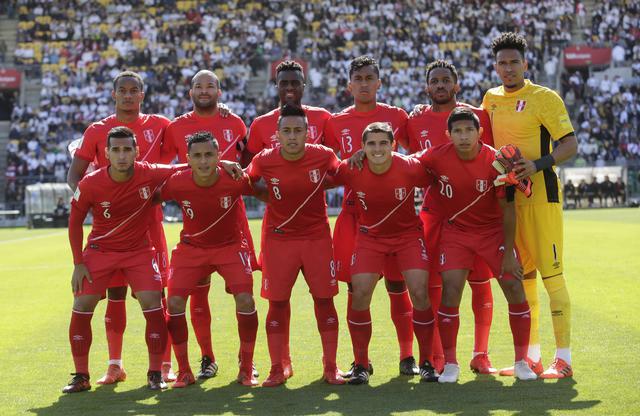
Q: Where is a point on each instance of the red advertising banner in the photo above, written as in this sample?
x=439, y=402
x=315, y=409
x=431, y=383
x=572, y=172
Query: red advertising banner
x=585, y=55
x=10, y=79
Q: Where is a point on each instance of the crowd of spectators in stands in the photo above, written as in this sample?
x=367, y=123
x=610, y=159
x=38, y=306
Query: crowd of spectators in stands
x=585, y=194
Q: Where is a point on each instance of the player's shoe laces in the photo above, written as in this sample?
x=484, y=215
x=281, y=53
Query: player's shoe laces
x=208, y=368
x=428, y=373
x=114, y=374
x=522, y=371
x=408, y=366
x=360, y=376
x=536, y=367
x=276, y=377
x=450, y=374
x=349, y=373
x=332, y=376
x=480, y=364
x=155, y=381
x=79, y=382
x=287, y=368
x=558, y=369
x=167, y=373
x=246, y=376
x=184, y=379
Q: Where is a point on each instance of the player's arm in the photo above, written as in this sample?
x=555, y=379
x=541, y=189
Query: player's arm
x=401, y=136
x=79, y=210
x=76, y=171
x=510, y=263
x=566, y=149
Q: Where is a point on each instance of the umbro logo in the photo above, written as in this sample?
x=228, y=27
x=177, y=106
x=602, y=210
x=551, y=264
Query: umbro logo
x=154, y=335
x=274, y=181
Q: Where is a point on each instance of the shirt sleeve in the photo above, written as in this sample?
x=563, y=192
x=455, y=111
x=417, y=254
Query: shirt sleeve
x=161, y=172
x=253, y=170
x=332, y=163
x=254, y=143
x=553, y=115
x=166, y=192
x=82, y=198
x=401, y=135
x=342, y=174
x=487, y=131
x=88, y=150
x=169, y=149
x=330, y=139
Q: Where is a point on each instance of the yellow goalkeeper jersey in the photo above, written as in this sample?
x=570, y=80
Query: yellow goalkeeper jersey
x=530, y=118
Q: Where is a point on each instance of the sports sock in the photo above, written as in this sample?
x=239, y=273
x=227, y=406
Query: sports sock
x=531, y=293
x=276, y=327
x=520, y=322
x=435, y=297
x=166, y=355
x=327, y=320
x=449, y=323
x=401, y=315
x=115, y=322
x=177, y=326
x=482, y=305
x=564, y=354
x=423, y=324
x=247, y=332
x=560, y=310
x=360, y=328
x=286, y=353
x=201, y=319
x=156, y=336
x=80, y=339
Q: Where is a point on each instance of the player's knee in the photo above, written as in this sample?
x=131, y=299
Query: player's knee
x=84, y=304
x=513, y=291
x=394, y=286
x=451, y=295
x=176, y=304
x=117, y=293
x=245, y=302
x=205, y=281
x=361, y=298
x=149, y=299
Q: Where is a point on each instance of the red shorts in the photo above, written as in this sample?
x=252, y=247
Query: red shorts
x=282, y=260
x=247, y=239
x=138, y=268
x=459, y=249
x=432, y=225
x=344, y=241
x=372, y=254
x=190, y=264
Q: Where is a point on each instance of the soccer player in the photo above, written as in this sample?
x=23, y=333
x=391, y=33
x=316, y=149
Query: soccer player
x=343, y=133
x=530, y=117
x=297, y=238
x=230, y=133
x=427, y=129
x=128, y=93
x=120, y=196
x=475, y=226
x=389, y=231
x=211, y=240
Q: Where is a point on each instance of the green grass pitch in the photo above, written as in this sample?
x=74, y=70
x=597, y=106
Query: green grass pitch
x=601, y=262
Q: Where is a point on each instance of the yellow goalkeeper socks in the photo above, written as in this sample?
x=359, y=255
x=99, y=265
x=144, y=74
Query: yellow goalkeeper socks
x=560, y=311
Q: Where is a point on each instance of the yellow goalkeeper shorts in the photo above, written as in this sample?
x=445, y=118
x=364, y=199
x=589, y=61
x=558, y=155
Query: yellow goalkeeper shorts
x=539, y=238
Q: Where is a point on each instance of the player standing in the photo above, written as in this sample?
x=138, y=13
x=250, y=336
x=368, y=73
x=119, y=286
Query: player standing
x=530, y=117
x=343, y=133
x=297, y=238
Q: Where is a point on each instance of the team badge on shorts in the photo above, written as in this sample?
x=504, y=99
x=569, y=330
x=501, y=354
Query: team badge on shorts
x=227, y=135
x=314, y=175
x=145, y=192
x=401, y=193
x=225, y=202
x=443, y=259
x=148, y=135
x=482, y=185
x=520, y=106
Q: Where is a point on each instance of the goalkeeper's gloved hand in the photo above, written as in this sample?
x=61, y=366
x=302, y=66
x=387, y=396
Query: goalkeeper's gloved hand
x=506, y=158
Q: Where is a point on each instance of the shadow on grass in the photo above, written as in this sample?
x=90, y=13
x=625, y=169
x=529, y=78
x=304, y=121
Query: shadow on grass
x=481, y=396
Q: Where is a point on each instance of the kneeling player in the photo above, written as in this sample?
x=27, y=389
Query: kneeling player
x=211, y=240
x=389, y=230
x=475, y=226
x=297, y=238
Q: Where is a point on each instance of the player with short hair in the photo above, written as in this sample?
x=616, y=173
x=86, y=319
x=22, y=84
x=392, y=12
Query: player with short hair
x=343, y=133
x=211, y=240
x=120, y=197
x=475, y=226
x=297, y=238
x=531, y=117
x=389, y=232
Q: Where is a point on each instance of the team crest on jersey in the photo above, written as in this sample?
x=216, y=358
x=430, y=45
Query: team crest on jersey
x=148, y=135
x=401, y=193
x=314, y=175
x=274, y=141
x=145, y=192
x=227, y=135
x=482, y=185
x=313, y=132
x=225, y=202
x=443, y=259
x=520, y=106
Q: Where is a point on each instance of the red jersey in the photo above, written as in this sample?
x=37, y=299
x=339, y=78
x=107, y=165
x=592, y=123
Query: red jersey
x=296, y=206
x=385, y=201
x=230, y=133
x=148, y=128
x=262, y=134
x=209, y=213
x=428, y=129
x=466, y=186
x=120, y=209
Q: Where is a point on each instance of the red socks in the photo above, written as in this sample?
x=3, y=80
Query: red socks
x=449, y=322
x=360, y=329
x=247, y=330
x=401, y=307
x=156, y=336
x=277, y=325
x=166, y=356
x=115, y=322
x=482, y=305
x=435, y=296
x=80, y=339
x=201, y=319
x=423, y=324
x=327, y=319
x=520, y=322
x=177, y=326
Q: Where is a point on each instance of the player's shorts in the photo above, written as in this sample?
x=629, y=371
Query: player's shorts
x=459, y=249
x=371, y=254
x=138, y=268
x=282, y=260
x=539, y=238
x=432, y=226
x=189, y=264
x=344, y=241
x=247, y=239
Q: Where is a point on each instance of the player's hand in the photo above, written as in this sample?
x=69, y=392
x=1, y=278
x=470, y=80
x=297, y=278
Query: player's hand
x=80, y=271
x=524, y=168
x=417, y=110
x=511, y=265
x=356, y=160
x=224, y=110
x=233, y=169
